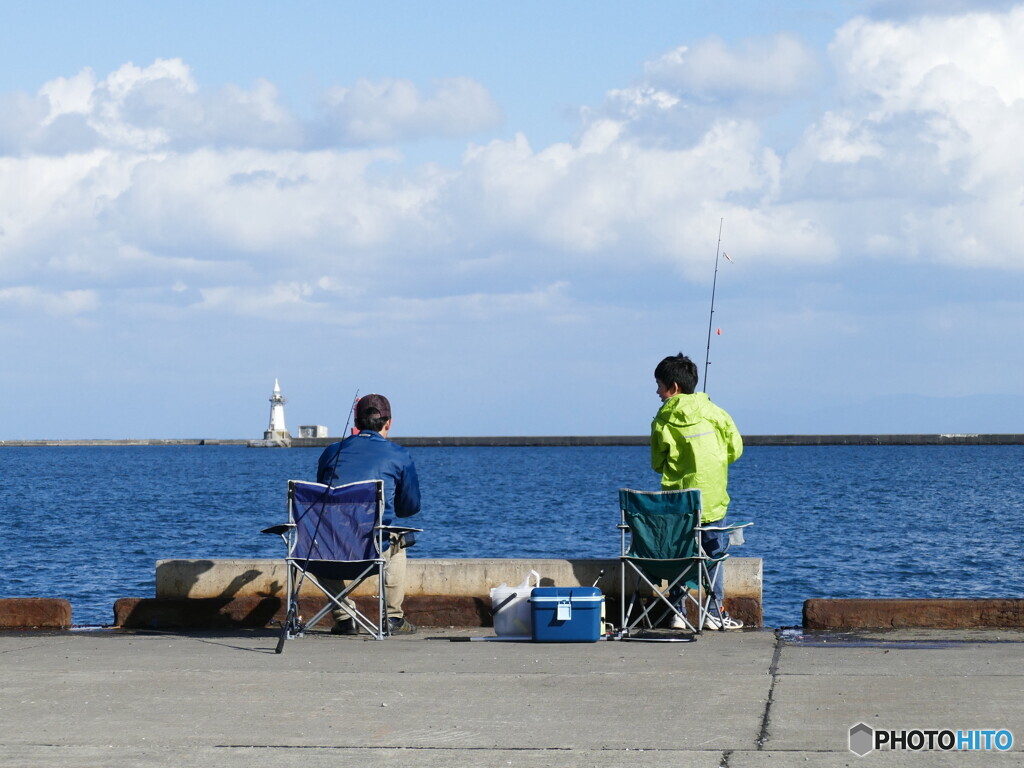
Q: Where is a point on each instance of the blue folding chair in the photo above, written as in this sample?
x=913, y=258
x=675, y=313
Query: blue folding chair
x=335, y=533
x=663, y=551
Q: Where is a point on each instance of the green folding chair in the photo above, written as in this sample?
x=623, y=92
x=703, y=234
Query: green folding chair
x=661, y=549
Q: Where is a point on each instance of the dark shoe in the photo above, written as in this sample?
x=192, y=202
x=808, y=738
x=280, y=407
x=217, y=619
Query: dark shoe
x=402, y=627
x=346, y=627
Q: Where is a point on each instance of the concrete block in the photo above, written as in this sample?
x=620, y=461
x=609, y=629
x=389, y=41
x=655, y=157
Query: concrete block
x=201, y=613
x=439, y=592
x=258, y=612
x=938, y=613
x=34, y=613
x=746, y=609
x=222, y=578
x=472, y=577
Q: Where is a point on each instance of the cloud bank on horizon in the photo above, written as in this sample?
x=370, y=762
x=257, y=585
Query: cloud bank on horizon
x=138, y=199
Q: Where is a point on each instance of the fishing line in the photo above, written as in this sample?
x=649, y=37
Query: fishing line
x=711, y=317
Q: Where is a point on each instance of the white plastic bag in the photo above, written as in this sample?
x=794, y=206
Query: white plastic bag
x=510, y=607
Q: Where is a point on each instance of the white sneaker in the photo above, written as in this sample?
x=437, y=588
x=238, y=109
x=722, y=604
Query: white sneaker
x=679, y=623
x=725, y=622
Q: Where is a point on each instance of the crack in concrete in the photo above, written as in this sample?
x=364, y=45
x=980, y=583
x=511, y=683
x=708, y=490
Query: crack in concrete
x=773, y=670
x=726, y=755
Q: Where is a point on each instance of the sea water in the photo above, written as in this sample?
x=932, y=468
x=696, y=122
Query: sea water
x=89, y=523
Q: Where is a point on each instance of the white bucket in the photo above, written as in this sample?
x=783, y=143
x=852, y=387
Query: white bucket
x=510, y=607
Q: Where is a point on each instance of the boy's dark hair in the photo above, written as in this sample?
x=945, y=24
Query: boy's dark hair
x=678, y=369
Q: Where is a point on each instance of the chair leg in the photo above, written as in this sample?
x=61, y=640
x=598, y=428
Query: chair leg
x=384, y=621
x=711, y=598
x=622, y=596
x=287, y=627
x=290, y=623
x=627, y=610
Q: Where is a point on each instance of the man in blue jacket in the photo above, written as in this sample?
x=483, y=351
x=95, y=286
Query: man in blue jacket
x=369, y=455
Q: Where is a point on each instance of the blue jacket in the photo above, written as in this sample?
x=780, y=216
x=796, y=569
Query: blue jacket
x=368, y=456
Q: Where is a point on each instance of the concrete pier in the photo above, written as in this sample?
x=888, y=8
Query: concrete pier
x=744, y=699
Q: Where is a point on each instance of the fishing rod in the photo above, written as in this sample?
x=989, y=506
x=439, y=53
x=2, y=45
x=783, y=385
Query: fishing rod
x=323, y=497
x=292, y=621
x=711, y=317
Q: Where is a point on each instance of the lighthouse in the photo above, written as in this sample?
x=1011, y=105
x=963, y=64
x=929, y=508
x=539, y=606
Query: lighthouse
x=277, y=429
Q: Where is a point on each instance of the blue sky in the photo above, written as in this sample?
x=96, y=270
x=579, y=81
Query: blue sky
x=503, y=215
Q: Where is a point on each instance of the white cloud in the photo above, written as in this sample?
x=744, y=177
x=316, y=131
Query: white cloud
x=161, y=106
x=106, y=213
x=143, y=109
x=610, y=196
x=683, y=93
x=929, y=120
x=778, y=66
x=30, y=300
x=633, y=103
x=224, y=221
x=327, y=302
x=835, y=139
x=69, y=95
x=48, y=205
x=307, y=205
x=932, y=63
x=220, y=194
x=392, y=110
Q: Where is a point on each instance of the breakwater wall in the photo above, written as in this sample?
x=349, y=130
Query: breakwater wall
x=123, y=442
x=513, y=441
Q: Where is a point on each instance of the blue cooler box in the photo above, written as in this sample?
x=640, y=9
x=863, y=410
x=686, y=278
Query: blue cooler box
x=566, y=614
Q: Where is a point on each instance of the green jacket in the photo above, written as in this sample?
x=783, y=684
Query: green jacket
x=693, y=442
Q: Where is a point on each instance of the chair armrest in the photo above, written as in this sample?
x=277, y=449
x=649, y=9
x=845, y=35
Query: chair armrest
x=734, y=527
x=282, y=529
x=399, y=529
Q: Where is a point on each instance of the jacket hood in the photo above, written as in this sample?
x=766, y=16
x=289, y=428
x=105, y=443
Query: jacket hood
x=683, y=410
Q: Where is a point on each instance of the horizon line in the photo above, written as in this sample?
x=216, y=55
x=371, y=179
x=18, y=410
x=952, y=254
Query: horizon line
x=547, y=440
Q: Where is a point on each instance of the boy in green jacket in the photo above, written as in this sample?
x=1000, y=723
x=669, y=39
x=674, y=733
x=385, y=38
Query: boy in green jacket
x=693, y=442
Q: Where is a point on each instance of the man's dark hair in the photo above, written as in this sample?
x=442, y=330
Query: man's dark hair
x=370, y=419
x=678, y=369
x=372, y=412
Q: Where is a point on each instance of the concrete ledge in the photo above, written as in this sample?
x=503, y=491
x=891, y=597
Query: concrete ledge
x=439, y=592
x=920, y=613
x=258, y=612
x=34, y=613
x=467, y=577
